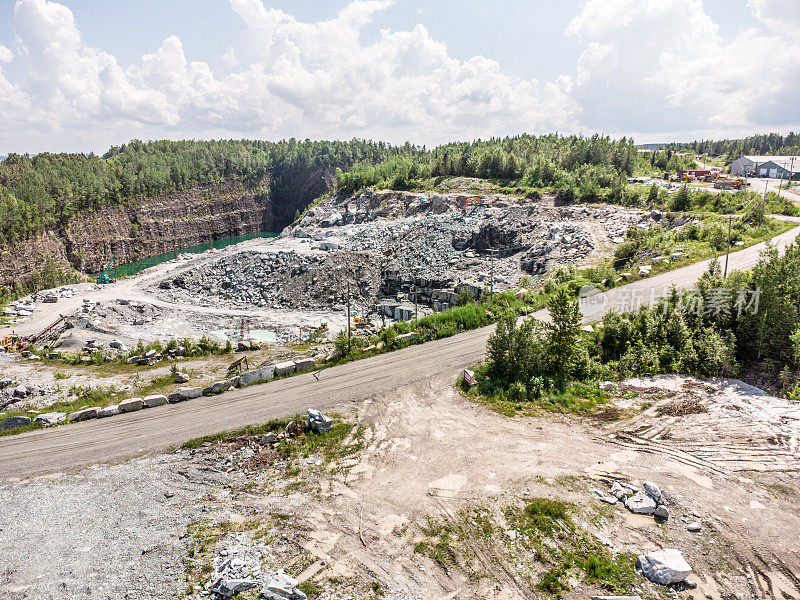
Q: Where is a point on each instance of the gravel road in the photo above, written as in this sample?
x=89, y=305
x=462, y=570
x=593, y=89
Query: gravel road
x=124, y=436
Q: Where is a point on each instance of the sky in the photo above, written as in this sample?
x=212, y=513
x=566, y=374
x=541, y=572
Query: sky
x=82, y=75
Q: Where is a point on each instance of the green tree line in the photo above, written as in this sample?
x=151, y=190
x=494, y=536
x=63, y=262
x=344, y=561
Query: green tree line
x=48, y=190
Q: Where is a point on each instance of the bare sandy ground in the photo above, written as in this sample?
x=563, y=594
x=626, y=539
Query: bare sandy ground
x=109, y=532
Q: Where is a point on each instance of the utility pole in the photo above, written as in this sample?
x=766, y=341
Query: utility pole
x=349, y=331
x=416, y=304
x=491, y=270
x=728, y=251
x=791, y=169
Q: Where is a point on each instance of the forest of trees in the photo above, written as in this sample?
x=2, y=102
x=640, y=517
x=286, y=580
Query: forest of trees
x=764, y=144
x=48, y=190
x=585, y=167
x=744, y=325
x=578, y=168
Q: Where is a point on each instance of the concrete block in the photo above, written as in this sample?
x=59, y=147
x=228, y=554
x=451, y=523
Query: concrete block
x=185, y=393
x=84, y=414
x=131, y=405
x=285, y=367
x=108, y=411
x=305, y=364
x=155, y=400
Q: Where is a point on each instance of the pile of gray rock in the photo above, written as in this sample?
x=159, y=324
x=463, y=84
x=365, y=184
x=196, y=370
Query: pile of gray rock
x=238, y=569
x=283, y=279
x=645, y=501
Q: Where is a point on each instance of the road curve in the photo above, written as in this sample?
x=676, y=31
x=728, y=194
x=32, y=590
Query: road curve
x=123, y=436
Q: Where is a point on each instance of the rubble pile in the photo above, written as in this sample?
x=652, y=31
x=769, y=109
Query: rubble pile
x=238, y=569
x=396, y=248
x=435, y=237
x=278, y=280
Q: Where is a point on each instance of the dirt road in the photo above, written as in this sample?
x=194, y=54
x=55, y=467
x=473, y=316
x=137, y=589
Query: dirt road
x=121, y=437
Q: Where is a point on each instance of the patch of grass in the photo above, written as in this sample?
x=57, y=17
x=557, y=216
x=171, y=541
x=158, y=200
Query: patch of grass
x=547, y=538
x=310, y=589
x=545, y=516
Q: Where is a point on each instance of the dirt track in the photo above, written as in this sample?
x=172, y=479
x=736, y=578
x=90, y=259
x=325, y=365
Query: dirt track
x=78, y=445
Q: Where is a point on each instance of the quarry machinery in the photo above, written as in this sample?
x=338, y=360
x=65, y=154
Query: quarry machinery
x=13, y=343
x=103, y=277
x=17, y=343
x=51, y=333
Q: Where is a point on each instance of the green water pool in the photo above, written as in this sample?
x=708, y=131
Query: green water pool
x=133, y=268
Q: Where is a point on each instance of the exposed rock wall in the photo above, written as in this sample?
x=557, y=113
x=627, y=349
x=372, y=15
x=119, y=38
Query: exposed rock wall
x=19, y=261
x=165, y=223
x=151, y=226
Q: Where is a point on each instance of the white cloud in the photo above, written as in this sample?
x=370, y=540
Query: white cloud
x=647, y=66
x=655, y=66
x=6, y=56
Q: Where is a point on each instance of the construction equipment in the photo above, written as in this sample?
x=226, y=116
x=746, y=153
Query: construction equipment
x=479, y=201
x=362, y=323
x=13, y=343
x=726, y=183
x=17, y=343
x=52, y=332
x=323, y=327
x=103, y=277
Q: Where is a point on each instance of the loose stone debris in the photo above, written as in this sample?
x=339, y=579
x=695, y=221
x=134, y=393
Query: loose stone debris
x=664, y=567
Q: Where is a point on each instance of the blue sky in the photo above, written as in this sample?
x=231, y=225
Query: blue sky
x=74, y=75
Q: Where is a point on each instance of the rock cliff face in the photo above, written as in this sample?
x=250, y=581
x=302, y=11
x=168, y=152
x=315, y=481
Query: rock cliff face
x=160, y=224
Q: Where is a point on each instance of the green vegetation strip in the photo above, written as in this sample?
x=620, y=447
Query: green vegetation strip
x=544, y=532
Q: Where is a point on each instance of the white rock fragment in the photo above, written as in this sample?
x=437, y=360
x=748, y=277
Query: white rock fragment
x=664, y=567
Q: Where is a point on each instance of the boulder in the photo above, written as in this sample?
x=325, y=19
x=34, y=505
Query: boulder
x=243, y=346
x=51, y=418
x=131, y=405
x=619, y=491
x=228, y=588
x=20, y=391
x=281, y=587
x=267, y=373
x=305, y=364
x=250, y=377
x=283, y=368
x=607, y=498
x=652, y=490
x=694, y=527
x=661, y=512
x=133, y=360
x=151, y=354
x=84, y=414
x=12, y=422
x=221, y=386
x=117, y=345
x=608, y=386
x=109, y=411
x=180, y=377
x=664, y=567
x=318, y=421
x=154, y=400
x=185, y=393
x=641, y=503
x=268, y=438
